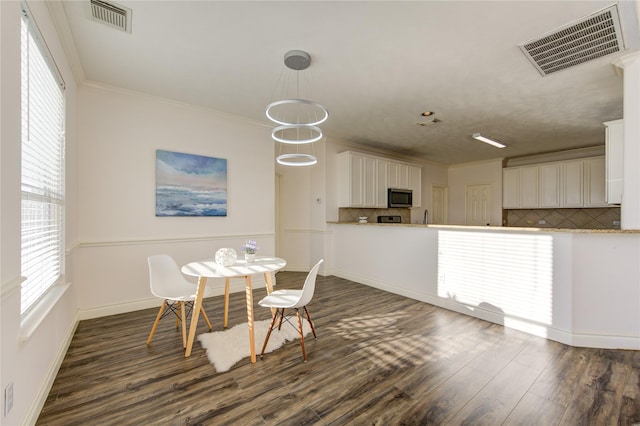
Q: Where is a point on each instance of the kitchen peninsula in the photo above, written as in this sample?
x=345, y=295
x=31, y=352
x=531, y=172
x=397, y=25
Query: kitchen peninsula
x=578, y=287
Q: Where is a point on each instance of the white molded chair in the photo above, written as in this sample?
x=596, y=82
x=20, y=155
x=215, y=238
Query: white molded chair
x=292, y=299
x=168, y=283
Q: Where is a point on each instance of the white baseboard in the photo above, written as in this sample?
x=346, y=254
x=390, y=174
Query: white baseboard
x=606, y=342
x=236, y=286
x=566, y=337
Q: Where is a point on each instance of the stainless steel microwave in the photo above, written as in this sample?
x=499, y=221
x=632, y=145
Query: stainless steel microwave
x=399, y=197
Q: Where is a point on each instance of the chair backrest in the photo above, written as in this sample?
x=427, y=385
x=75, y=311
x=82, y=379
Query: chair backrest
x=165, y=278
x=309, y=286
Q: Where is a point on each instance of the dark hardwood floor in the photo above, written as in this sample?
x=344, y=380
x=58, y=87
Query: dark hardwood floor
x=379, y=359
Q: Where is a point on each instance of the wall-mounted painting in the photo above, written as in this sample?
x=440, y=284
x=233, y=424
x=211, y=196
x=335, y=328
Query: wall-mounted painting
x=190, y=185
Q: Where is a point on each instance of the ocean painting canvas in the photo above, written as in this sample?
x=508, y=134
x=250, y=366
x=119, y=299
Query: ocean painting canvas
x=190, y=185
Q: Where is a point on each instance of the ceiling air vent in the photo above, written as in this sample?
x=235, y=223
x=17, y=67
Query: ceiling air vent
x=111, y=14
x=592, y=37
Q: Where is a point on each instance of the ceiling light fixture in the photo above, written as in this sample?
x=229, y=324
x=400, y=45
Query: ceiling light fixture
x=295, y=133
x=479, y=137
x=297, y=118
x=297, y=159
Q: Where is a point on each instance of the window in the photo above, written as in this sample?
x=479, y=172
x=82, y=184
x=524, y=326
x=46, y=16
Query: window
x=42, y=254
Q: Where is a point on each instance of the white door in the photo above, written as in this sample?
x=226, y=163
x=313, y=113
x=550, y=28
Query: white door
x=478, y=205
x=439, y=202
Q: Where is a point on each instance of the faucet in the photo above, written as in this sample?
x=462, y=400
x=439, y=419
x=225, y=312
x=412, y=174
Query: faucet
x=426, y=217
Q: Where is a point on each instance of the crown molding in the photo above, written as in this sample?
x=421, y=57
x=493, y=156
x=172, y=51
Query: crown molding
x=59, y=17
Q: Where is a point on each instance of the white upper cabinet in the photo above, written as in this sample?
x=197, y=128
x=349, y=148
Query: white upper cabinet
x=370, y=182
x=550, y=195
x=595, y=182
x=520, y=187
x=381, y=183
x=529, y=187
x=350, y=180
x=614, y=160
x=398, y=175
x=363, y=180
x=511, y=188
x=572, y=184
x=560, y=184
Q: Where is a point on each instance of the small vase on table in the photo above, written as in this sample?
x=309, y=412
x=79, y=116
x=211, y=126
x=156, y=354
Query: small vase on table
x=249, y=249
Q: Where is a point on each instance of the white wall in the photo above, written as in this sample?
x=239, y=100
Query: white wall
x=301, y=211
x=432, y=174
x=480, y=173
x=30, y=362
x=119, y=133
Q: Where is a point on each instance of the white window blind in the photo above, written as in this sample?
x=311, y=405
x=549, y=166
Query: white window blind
x=42, y=252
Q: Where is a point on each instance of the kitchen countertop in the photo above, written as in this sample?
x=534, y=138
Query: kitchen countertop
x=495, y=228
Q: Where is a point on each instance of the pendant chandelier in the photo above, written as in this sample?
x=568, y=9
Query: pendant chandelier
x=297, y=119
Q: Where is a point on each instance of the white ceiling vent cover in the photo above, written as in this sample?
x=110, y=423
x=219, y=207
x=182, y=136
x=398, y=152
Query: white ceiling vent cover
x=592, y=37
x=111, y=14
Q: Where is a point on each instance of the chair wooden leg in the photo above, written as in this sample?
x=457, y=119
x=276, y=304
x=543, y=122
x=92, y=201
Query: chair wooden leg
x=304, y=353
x=313, y=330
x=177, y=317
x=206, y=318
x=281, y=318
x=155, y=324
x=184, y=324
x=266, y=339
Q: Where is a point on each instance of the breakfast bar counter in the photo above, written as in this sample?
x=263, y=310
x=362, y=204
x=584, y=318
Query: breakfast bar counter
x=579, y=287
x=496, y=228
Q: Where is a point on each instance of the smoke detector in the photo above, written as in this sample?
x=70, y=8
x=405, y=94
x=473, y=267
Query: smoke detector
x=581, y=41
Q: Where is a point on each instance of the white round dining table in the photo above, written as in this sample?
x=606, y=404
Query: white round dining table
x=208, y=268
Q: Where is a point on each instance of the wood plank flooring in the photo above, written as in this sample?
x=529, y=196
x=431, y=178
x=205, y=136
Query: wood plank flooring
x=379, y=359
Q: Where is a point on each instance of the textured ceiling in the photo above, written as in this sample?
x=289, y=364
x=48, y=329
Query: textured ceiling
x=375, y=66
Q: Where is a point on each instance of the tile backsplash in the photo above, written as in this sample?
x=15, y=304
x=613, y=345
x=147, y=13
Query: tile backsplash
x=601, y=218
x=348, y=214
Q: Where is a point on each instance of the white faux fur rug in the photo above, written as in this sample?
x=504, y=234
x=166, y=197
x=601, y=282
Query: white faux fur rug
x=225, y=348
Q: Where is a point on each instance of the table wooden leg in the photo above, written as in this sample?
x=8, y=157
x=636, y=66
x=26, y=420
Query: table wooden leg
x=226, y=302
x=197, y=304
x=249, y=297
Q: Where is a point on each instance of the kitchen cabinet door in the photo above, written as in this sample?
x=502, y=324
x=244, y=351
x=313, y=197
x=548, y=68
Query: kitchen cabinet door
x=550, y=185
x=369, y=182
x=529, y=187
x=381, y=183
x=572, y=179
x=403, y=176
x=355, y=186
x=351, y=180
x=511, y=188
x=398, y=176
x=392, y=174
x=595, y=182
